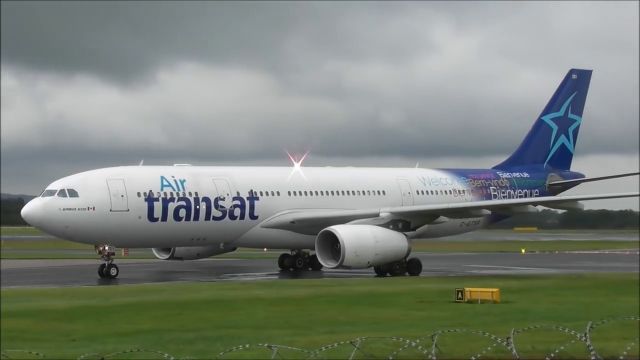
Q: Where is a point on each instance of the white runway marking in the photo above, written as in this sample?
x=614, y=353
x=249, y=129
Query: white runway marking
x=512, y=267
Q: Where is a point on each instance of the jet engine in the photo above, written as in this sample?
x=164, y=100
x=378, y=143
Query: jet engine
x=190, y=252
x=360, y=246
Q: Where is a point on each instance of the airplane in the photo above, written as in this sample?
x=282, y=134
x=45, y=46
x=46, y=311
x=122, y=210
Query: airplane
x=349, y=217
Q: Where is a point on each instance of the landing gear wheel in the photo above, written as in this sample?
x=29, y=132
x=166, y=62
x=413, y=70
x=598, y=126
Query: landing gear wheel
x=287, y=261
x=314, y=263
x=281, y=261
x=107, y=269
x=380, y=270
x=414, y=266
x=397, y=268
x=112, y=271
x=298, y=263
x=101, y=269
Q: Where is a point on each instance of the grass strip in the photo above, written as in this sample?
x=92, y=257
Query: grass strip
x=199, y=320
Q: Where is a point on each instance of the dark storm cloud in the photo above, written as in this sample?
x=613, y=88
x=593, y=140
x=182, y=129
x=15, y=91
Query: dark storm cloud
x=88, y=84
x=128, y=39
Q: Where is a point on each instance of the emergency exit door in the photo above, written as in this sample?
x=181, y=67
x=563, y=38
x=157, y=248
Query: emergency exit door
x=118, y=195
x=223, y=188
x=405, y=190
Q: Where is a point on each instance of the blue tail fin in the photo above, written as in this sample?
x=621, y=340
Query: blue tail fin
x=551, y=141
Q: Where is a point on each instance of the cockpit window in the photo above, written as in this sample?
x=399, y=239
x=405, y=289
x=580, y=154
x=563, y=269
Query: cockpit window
x=72, y=193
x=62, y=193
x=48, y=193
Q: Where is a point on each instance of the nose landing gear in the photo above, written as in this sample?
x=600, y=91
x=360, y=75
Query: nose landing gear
x=107, y=270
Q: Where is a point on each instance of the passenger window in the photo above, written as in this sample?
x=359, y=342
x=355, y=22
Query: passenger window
x=48, y=193
x=305, y=193
x=266, y=193
x=332, y=193
x=145, y=194
x=384, y=192
x=273, y=194
x=260, y=193
x=139, y=194
x=165, y=194
x=189, y=193
x=72, y=193
x=278, y=193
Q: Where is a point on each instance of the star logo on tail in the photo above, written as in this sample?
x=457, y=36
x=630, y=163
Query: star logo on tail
x=563, y=125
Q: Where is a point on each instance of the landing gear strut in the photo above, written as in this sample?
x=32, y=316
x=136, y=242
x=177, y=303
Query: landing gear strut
x=108, y=269
x=412, y=266
x=299, y=260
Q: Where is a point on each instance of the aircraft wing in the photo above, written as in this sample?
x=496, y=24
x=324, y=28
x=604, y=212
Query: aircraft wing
x=312, y=221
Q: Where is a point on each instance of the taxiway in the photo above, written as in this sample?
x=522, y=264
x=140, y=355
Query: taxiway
x=58, y=273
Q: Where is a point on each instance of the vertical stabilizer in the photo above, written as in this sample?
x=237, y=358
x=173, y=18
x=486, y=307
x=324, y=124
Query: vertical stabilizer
x=552, y=140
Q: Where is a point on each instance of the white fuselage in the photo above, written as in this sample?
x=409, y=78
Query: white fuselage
x=113, y=205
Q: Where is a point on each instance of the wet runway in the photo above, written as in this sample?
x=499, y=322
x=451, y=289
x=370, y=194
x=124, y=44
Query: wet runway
x=56, y=273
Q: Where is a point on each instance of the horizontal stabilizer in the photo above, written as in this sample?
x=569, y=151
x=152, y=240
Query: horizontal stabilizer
x=563, y=184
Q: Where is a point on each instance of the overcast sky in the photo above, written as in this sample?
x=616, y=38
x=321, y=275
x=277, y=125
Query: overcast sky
x=451, y=84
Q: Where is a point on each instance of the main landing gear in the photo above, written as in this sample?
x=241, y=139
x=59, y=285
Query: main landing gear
x=107, y=270
x=411, y=266
x=299, y=260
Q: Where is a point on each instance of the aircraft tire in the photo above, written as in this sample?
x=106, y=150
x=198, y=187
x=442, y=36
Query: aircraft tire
x=281, y=261
x=288, y=261
x=414, y=266
x=112, y=271
x=380, y=271
x=298, y=263
x=101, y=272
x=398, y=268
x=314, y=263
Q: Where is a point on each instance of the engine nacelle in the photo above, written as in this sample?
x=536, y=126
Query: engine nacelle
x=189, y=252
x=360, y=246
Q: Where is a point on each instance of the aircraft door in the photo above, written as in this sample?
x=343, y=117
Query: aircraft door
x=405, y=190
x=223, y=188
x=118, y=195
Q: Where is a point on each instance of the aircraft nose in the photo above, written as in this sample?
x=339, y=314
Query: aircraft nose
x=31, y=212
